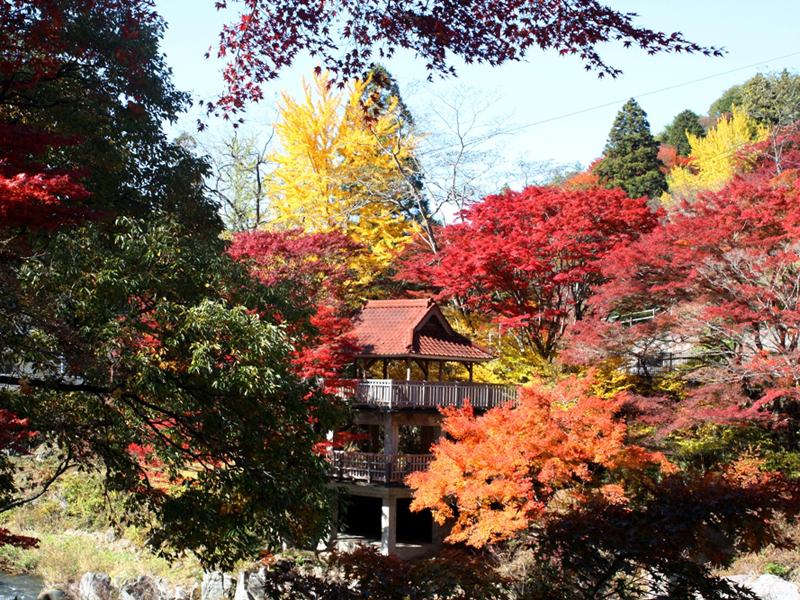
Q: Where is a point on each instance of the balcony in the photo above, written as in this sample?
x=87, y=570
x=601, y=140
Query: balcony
x=398, y=394
x=376, y=468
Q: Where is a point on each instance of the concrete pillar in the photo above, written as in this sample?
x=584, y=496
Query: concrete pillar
x=389, y=525
x=408, y=369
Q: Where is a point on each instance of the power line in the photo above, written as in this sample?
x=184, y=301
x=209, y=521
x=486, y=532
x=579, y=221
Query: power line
x=672, y=87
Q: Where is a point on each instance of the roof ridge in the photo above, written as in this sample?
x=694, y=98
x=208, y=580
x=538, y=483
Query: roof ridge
x=390, y=303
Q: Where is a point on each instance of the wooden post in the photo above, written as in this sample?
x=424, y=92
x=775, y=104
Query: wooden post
x=408, y=369
x=385, y=368
x=441, y=370
x=391, y=434
x=469, y=368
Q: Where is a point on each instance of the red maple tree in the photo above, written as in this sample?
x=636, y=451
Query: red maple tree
x=499, y=472
x=317, y=267
x=347, y=35
x=33, y=196
x=530, y=259
x=721, y=277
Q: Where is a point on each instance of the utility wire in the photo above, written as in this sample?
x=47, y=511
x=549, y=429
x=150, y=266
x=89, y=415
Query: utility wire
x=672, y=87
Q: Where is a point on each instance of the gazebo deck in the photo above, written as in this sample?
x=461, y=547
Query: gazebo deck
x=376, y=468
x=398, y=394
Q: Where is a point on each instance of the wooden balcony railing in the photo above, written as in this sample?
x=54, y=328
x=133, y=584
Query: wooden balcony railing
x=390, y=394
x=376, y=468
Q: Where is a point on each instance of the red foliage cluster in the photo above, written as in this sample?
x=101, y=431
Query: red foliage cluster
x=14, y=431
x=38, y=24
x=722, y=272
x=497, y=473
x=31, y=195
x=152, y=468
x=319, y=262
x=317, y=265
x=586, y=180
x=778, y=157
x=531, y=258
x=19, y=541
x=671, y=159
x=269, y=34
x=341, y=439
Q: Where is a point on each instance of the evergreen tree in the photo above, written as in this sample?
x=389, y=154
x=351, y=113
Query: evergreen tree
x=675, y=133
x=772, y=99
x=731, y=97
x=631, y=155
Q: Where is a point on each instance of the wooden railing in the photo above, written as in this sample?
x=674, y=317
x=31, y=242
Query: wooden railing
x=390, y=394
x=376, y=468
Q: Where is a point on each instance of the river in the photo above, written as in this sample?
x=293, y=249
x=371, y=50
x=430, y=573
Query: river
x=24, y=587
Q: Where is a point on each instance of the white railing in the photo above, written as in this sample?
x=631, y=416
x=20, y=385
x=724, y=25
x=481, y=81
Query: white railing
x=390, y=394
x=635, y=317
x=376, y=468
x=666, y=362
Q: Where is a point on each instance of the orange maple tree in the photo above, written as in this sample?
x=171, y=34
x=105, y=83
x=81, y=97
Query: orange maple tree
x=556, y=448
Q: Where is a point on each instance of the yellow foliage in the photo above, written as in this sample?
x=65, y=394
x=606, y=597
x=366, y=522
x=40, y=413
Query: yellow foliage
x=715, y=159
x=336, y=170
x=610, y=379
x=515, y=362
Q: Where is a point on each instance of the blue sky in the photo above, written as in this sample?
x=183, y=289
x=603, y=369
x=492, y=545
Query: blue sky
x=559, y=111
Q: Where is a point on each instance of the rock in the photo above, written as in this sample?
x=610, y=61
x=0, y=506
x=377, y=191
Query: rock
x=251, y=585
x=767, y=587
x=53, y=594
x=95, y=586
x=143, y=588
x=182, y=592
x=257, y=585
x=164, y=587
x=241, y=586
x=110, y=536
x=772, y=587
x=216, y=586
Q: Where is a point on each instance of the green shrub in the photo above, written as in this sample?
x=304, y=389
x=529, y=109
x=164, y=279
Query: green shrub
x=773, y=568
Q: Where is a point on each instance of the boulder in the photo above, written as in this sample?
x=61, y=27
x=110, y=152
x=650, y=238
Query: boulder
x=182, y=592
x=95, y=586
x=767, y=587
x=142, y=588
x=216, y=586
x=54, y=594
x=251, y=585
x=772, y=587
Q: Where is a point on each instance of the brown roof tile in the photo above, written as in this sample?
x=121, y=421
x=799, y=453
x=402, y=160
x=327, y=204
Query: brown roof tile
x=415, y=328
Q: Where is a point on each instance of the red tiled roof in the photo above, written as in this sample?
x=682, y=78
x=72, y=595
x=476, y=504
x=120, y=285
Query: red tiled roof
x=415, y=328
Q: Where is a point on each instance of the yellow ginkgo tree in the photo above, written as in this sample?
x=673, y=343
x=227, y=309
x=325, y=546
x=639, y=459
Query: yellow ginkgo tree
x=338, y=167
x=715, y=158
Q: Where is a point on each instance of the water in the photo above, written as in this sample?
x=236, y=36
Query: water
x=24, y=587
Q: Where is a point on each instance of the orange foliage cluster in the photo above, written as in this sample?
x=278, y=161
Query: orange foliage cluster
x=509, y=467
